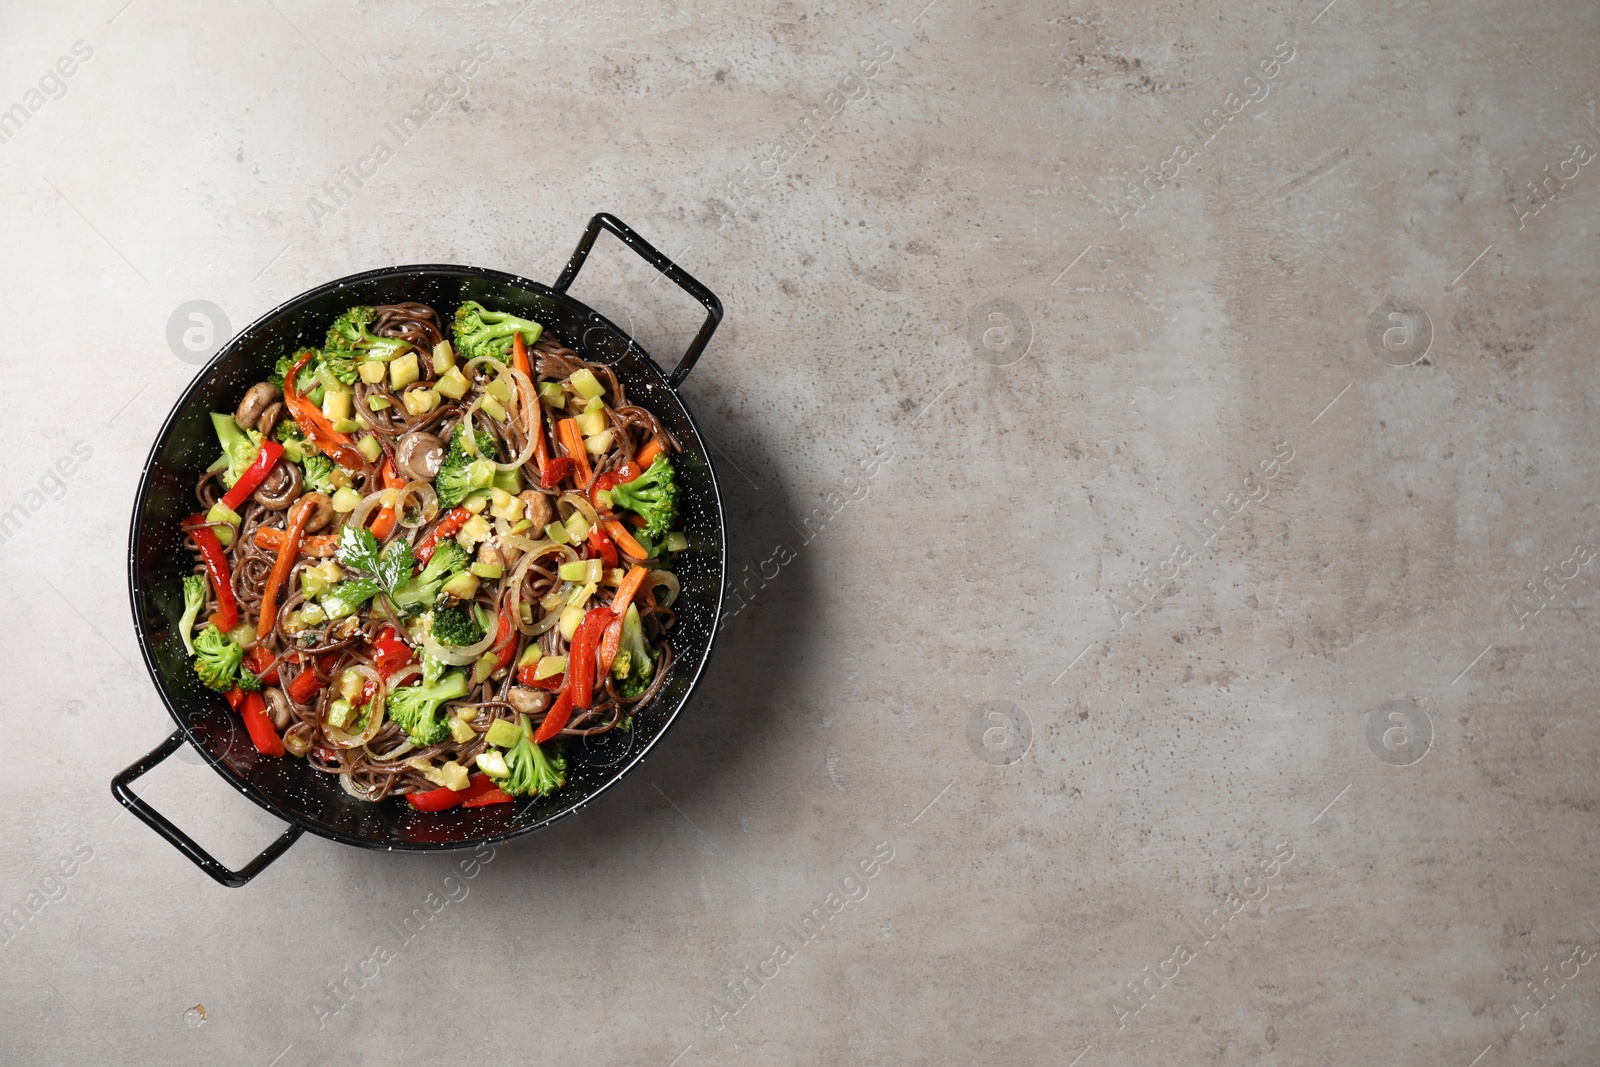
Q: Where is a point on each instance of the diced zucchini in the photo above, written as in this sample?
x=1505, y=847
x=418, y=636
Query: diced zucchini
x=346, y=426
x=473, y=531
x=444, y=357
x=602, y=498
x=676, y=541
x=346, y=500
x=350, y=683
x=494, y=409
x=493, y=763
x=314, y=581
x=294, y=450
x=552, y=393
x=504, y=733
x=529, y=657
x=575, y=571
x=339, y=713
x=568, y=625
x=585, y=384
x=593, y=406
x=467, y=714
x=378, y=403
x=557, y=532
x=500, y=389
x=453, y=384
x=614, y=576
x=420, y=401
x=599, y=444
x=510, y=481
x=592, y=424
x=454, y=775
x=372, y=371
x=480, y=473
x=595, y=569
x=222, y=513
x=580, y=596
x=577, y=527
x=461, y=731
x=505, y=506
x=484, y=667
x=549, y=667
x=488, y=570
x=368, y=446
x=463, y=586
x=337, y=404
x=476, y=501
x=404, y=371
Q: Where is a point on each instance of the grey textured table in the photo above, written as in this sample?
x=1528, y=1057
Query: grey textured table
x=1161, y=528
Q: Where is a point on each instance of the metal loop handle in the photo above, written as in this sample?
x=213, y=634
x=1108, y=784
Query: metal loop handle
x=177, y=838
x=674, y=273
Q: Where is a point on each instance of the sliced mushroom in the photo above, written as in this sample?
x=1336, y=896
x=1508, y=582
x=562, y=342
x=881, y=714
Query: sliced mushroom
x=280, y=488
x=537, y=509
x=419, y=455
x=527, y=701
x=269, y=418
x=256, y=400
x=278, y=707
x=321, y=513
x=489, y=556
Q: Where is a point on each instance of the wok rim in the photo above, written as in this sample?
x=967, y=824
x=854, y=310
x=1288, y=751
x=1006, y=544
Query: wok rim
x=142, y=628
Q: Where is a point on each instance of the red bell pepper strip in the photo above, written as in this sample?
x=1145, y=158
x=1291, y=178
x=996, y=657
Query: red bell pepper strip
x=285, y=563
x=604, y=548
x=555, y=471
x=505, y=645
x=335, y=445
x=581, y=656
x=389, y=653
x=253, y=475
x=448, y=526
x=259, y=660
x=552, y=683
x=227, y=616
x=493, y=795
x=235, y=697
x=440, y=799
x=259, y=726
x=306, y=684
x=553, y=722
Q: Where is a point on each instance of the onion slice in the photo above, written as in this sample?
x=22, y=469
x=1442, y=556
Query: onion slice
x=664, y=580
x=375, y=709
x=460, y=657
x=531, y=552
x=427, y=503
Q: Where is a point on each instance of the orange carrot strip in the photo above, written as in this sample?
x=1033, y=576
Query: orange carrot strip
x=625, y=541
x=271, y=538
x=280, y=570
x=642, y=458
x=629, y=589
x=572, y=437
x=519, y=355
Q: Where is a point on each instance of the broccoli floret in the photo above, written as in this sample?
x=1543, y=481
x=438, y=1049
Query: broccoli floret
x=194, y=598
x=416, y=707
x=654, y=495
x=319, y=473
x=350, y=341
x=531, y=770
x=239, y=447
x=481, y=332
x=635, y=664
x=308, y=373
x=217, y=659
x=455, y=625
x=422, y=590
x=461, y=472
x=248, y=680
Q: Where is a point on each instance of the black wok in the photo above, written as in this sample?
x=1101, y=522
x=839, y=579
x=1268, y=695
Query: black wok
x=289, y=788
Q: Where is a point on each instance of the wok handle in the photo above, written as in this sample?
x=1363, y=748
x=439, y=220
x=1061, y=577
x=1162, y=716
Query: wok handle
x=177, y=838
x=674, y=273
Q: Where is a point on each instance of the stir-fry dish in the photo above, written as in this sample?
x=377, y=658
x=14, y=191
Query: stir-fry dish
x=422, y=561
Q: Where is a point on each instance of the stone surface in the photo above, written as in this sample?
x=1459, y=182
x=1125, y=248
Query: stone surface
x=1014, y=386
